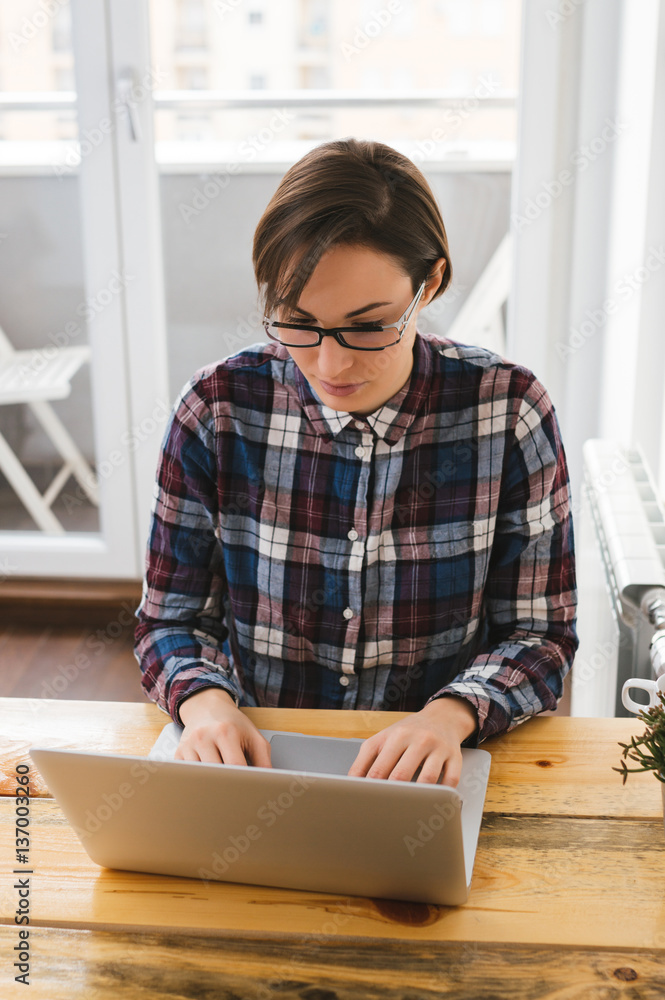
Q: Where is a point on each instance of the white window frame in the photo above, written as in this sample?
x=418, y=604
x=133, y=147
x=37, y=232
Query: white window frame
x=582, y=65
x=120, y=232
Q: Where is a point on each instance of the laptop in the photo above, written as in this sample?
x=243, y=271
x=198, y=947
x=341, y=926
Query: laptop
x=303, y=823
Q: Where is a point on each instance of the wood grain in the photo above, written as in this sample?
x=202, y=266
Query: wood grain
x=547, y=766
x=544, y=881
x=38, y=601
x=79, y=663
x=96, y=965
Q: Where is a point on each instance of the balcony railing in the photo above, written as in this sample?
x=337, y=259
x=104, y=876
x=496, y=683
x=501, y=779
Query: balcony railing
x=219, y=100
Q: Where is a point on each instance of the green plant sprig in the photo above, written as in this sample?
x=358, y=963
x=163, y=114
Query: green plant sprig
x=652, y=740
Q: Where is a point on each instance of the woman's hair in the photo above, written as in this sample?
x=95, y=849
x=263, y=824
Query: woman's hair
x=353, y=192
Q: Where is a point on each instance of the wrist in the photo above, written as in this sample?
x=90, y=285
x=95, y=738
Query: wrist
x=454, y=711
x=203, y=702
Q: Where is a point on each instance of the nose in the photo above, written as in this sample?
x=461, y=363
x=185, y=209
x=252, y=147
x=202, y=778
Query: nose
x=332, y=359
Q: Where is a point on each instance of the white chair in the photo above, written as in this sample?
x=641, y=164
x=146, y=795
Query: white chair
x=480, y=320
x=35, y=377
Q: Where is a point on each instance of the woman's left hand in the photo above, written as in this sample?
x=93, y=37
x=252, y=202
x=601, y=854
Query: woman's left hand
x=430, y=737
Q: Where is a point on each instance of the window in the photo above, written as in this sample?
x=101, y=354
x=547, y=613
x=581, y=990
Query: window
x=191, y=25
x=459, y=15
x=61, y=37
x=63, y=78
x=315, y=77
x=194, y=128
x=491, y=17
x=193, y=77
x=365, y=47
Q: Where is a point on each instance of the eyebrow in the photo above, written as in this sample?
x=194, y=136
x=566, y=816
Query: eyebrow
x=349, y=315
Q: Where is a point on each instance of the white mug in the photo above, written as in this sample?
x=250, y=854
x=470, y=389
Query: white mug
x=653, y=688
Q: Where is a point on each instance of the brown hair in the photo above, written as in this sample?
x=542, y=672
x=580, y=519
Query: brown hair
x=354, y=192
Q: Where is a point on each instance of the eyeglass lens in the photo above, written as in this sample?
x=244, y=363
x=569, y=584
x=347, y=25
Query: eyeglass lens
x=354, y=338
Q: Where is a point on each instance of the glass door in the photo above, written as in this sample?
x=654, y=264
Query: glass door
x=72, y=427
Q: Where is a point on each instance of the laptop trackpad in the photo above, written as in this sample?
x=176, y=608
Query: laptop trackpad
x=322, y=754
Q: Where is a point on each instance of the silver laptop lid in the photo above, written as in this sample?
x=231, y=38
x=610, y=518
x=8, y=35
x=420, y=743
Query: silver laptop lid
x=269, y=826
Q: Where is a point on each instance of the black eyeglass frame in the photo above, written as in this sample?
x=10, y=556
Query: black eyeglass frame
x=338, y=331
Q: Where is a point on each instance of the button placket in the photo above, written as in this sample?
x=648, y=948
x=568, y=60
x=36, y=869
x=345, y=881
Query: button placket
x=356, y=557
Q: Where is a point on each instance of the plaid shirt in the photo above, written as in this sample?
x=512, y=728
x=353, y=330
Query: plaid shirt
x=301, y=556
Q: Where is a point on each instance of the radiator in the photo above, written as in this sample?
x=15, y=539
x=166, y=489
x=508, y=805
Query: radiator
x=620, y=553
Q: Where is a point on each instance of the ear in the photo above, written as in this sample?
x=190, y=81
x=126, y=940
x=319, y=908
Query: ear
x=434, y=279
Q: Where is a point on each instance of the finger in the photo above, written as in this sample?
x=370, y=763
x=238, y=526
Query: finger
x=389, y=758
x=186, y=751
x=258, y=751
x=452, y=770
x=231, y=749
x=366, y=756
x=407, y=764
x=432, y=769
x=206, y=750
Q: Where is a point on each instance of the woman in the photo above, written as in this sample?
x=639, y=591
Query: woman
x=354, y=514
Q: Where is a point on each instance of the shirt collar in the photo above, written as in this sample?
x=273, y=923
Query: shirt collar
x=389, y=421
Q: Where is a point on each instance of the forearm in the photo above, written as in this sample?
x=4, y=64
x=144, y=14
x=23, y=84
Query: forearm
x=514, y=680
x=176, y=662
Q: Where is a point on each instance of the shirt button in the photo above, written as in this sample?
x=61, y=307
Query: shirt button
x=344, y=680
x=348, y=613
x=360, y=425
x=360, y=451
x=353, y=534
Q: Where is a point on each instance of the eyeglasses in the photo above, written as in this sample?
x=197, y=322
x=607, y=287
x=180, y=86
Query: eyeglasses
x=362, y=337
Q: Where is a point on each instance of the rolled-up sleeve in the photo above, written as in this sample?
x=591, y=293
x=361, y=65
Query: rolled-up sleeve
x=181, y=630
x=529, y=598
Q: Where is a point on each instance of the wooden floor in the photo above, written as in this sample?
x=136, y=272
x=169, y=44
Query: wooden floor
x=70, y=662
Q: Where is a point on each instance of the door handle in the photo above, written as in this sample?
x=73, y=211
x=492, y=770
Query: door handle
x=124, y=87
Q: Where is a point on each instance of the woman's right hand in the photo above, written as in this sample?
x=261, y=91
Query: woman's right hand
x=219, y=733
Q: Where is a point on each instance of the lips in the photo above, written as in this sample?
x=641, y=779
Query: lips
x=340, y=389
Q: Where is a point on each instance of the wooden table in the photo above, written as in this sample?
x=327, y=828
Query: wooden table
x=567, y=899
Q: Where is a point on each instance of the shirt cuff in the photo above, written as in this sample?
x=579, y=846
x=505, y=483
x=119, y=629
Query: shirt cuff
x=180, y=693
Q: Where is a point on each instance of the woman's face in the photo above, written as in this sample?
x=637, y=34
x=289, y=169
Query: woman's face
x=360, y=281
